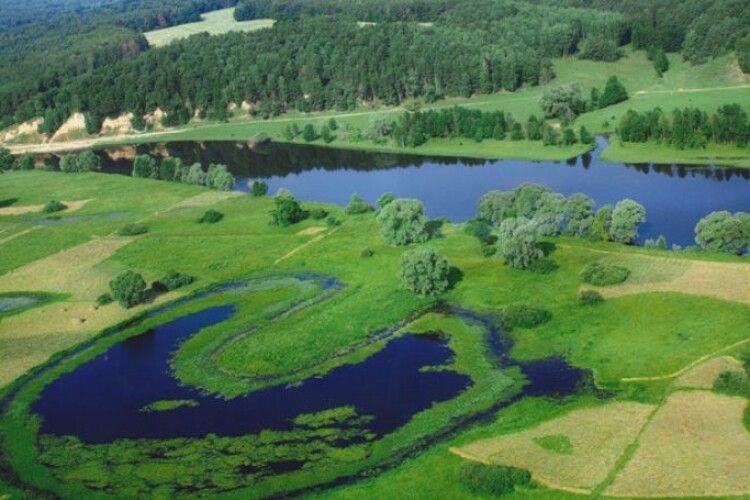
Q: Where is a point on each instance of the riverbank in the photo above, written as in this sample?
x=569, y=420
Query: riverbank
x=705, y=86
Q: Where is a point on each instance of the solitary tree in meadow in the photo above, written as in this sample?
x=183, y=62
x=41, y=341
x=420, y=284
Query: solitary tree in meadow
x=403, y=222
x=424, y=271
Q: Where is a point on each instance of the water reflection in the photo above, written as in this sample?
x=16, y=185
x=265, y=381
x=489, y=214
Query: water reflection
x=675, y=196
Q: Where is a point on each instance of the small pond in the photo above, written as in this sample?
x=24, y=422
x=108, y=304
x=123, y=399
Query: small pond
x=675, y=196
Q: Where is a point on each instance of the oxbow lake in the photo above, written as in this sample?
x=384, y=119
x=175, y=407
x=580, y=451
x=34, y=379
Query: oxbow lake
x=676, y=197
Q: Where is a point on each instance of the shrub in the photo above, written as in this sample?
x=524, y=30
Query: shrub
x=519, y=242
x=599, y=274
x=480, y=229
x=357, y=205
x=591, y=297
x=492, y=480
x=733, y=383
x=722, y=232
x=145, y=166
x=385, y=199
x=6, y=159
x=626, y=217
x=219, y=178
x=104, y=299
x=318, y=213
x=614, y=92
x=54, y=206
x=367, y=252
x=286, y=211
x=403, y=222
x=128, y=288
x=210, y=217
x=174, y=280
x=132, y=229
x=259, y=188
x=332, y=221
x=543, y=266
x=195, y=175
x=524, y=316
x=424, y=271
x=86, y=161
x=308, y=133
x=563, y=102
x=170, y=168
x=26, y=162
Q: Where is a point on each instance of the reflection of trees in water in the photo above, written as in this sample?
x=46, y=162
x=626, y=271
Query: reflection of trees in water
x=683, y=171
x=278, y=159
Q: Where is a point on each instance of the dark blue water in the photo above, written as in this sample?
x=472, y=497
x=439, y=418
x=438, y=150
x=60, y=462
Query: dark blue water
x=100, y=401
x=675, y=197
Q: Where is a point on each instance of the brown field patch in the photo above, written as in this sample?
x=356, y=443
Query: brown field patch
x=722, y=280
x=705, y=374
x=311, y=231
x=72, y=271
x=696, y=445
x=598, y=437
x=30, y=209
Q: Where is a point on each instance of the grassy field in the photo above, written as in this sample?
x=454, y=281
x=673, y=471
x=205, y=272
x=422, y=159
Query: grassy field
x=640, y=334
x=214, y=23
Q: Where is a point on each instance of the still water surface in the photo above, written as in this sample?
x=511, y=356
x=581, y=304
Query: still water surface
x=675, y=197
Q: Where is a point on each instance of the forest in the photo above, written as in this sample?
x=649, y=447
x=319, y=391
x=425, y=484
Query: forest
x=94, y=59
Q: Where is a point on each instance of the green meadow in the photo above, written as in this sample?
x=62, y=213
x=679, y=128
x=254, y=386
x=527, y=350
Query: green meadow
x=214, y=23
x=637, y=334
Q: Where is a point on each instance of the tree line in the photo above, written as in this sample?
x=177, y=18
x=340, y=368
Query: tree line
x=688, y=127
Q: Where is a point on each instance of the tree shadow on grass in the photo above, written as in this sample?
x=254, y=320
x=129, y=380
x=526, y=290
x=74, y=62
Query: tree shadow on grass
x=455, y=275
x=433, y=228
x=547, y=247
x=8, y=202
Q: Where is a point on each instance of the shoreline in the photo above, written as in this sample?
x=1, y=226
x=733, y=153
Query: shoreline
x=719, y=156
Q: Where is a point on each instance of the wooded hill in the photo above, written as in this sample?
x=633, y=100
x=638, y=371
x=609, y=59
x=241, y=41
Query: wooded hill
x=319, y=56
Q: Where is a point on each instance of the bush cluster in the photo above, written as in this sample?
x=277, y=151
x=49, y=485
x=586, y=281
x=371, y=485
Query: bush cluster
x=210, y=217
x=172, y=169
x=174, y=280
x=424, y=271
x=492, y=480
x=524, y=316
x=128, y=288
x=86, y=161
x=591, y=298
x=600, y=274
x=357, y=205
x=54, y=206
x=132, y=229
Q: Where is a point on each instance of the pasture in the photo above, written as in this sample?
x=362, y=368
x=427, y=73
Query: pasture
x=217, y=22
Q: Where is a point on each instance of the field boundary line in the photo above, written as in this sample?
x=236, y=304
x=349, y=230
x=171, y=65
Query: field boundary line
x=688, y=367
x=295, y=250
x=539, y=479
x=627, y=453
x=21, y=233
